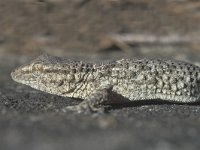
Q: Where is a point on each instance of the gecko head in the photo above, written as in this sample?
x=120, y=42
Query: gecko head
x=28, y=74
x=52, y=74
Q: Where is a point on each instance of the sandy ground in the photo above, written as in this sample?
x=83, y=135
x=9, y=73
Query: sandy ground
x=87, y=29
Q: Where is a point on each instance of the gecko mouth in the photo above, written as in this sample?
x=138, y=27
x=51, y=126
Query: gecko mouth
x=15, y=75
x=22, y=76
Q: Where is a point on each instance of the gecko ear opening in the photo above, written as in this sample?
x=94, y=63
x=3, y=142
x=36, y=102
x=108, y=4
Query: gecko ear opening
x=36, y=69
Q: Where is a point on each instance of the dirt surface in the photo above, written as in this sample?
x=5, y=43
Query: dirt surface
x=85, y=29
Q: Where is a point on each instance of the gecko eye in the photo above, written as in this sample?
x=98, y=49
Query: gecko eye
x=36, y=69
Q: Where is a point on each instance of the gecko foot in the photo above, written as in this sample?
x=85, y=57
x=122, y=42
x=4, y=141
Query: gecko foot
x=85, y=108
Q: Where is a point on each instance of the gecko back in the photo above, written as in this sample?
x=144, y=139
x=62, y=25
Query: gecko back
x=143, y=79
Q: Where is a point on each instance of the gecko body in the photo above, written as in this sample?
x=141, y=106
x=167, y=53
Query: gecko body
x=133, y=79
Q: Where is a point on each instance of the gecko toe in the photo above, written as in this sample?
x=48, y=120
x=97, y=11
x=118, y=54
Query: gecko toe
x=85, y=108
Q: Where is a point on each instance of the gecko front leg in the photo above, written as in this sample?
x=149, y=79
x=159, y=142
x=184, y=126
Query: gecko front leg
x=95, y=103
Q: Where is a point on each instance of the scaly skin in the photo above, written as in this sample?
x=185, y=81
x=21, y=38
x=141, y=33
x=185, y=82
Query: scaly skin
x=134, y=79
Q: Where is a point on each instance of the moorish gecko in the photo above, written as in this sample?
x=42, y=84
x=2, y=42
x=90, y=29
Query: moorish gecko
x=133, y=79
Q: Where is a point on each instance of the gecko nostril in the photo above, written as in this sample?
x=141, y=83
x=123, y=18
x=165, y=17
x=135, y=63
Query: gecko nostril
x=15, y=74
x=12, y=75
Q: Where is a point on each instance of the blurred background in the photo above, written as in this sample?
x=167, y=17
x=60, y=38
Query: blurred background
x=101, y=28
x=95, y=30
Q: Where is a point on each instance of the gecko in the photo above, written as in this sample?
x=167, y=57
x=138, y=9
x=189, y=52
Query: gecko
x=133, y=79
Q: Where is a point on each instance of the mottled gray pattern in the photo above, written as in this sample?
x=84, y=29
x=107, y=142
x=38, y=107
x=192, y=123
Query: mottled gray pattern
x=135, y=79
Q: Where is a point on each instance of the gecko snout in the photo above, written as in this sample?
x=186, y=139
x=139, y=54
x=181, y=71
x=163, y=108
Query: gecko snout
x=21, y=74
